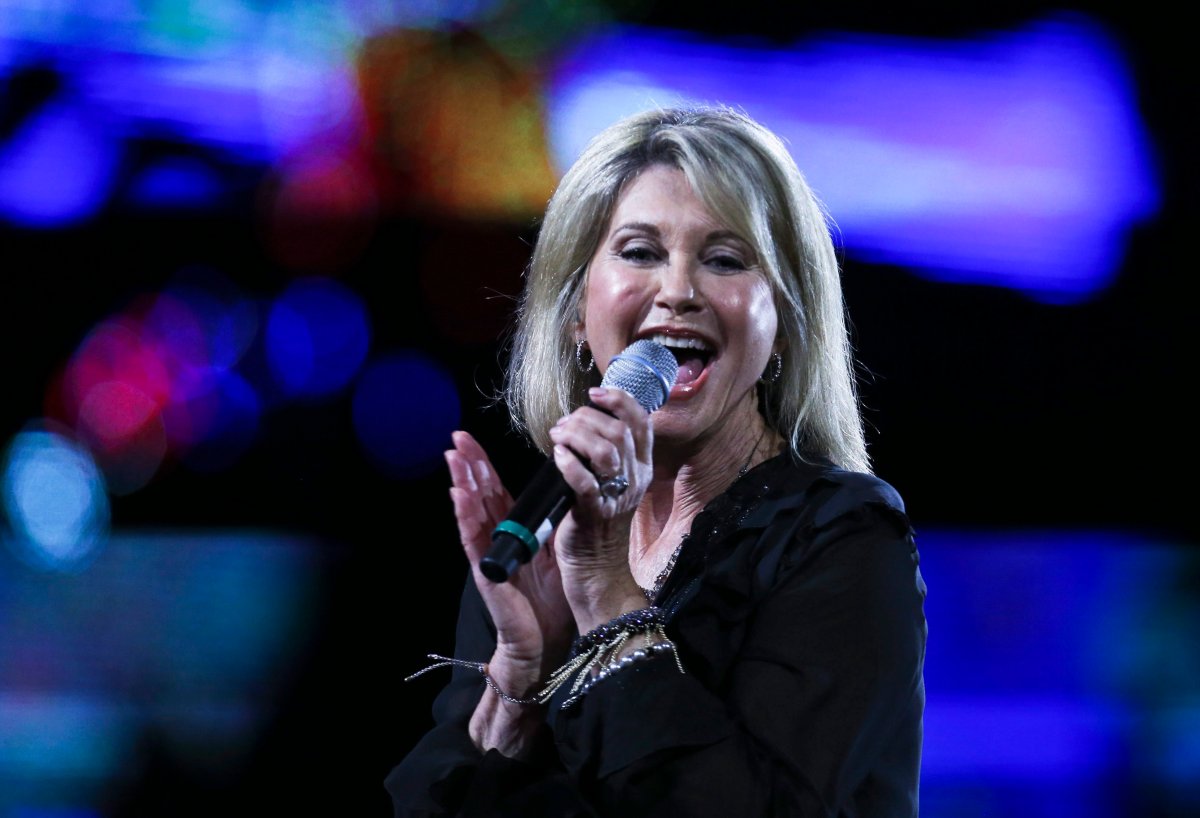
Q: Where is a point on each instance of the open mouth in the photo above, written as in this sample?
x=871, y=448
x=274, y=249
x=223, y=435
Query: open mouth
x=692, y=354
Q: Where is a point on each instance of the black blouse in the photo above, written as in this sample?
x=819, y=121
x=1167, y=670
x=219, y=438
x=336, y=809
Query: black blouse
x=796, y=604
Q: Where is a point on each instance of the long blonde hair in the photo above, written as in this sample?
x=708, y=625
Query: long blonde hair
x=743, y=172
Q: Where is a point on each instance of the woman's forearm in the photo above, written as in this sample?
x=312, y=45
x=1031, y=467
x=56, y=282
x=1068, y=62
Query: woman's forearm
x=504, y=726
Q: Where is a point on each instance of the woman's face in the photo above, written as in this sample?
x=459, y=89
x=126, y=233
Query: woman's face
x=669, y=270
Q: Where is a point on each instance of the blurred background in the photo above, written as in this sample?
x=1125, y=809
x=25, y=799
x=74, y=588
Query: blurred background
x=258, y=261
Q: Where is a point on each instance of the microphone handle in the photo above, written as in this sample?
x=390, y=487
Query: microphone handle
x=529, y=524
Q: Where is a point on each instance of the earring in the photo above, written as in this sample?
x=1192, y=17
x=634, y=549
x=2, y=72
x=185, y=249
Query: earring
x=774, y=369
x=591, y=364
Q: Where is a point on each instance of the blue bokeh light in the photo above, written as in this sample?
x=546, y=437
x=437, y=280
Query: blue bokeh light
x=177, y=183
x=230, y=412
x=54, y=501
x=58, y=169
x=1060, y=674
x=70, y=735
x=187, y=639
x=318, y=335
x=405, y=407
x=227, y=316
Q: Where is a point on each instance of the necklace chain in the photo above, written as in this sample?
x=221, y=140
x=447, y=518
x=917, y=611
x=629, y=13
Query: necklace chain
x=661, y=579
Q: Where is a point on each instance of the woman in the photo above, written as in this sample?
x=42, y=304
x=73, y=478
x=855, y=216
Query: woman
x=740, y=630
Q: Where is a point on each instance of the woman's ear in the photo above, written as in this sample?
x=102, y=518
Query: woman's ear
x=580, y=326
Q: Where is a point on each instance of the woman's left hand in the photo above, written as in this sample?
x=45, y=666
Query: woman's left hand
x=592, y=541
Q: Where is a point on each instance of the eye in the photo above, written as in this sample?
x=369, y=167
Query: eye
x=638, y=254
x=726, y=262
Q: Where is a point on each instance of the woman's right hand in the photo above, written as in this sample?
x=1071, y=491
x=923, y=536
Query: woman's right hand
x=532, y=618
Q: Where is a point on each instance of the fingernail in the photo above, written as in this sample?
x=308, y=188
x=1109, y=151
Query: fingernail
x=597, y=392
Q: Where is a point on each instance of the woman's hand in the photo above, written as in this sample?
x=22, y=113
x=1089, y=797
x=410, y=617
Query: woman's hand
x=592, y=541
x=533, y=621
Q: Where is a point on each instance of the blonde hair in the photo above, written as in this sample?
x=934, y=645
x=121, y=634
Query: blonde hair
x=745, y=173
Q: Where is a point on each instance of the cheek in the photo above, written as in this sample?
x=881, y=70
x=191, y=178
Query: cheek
x=610, y=299
x=762, y=322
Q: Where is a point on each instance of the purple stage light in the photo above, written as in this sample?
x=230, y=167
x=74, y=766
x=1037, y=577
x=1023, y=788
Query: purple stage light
x=405, y=407
x=318, y=334
x=1015, y=159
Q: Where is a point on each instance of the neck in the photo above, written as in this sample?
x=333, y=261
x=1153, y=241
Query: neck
x=686, y=478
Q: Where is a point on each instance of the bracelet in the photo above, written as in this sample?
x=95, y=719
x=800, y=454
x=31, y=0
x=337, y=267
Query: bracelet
x=479, y=666
x=639, y=655
x=643, y=620
x=593, y=657
x=597, y=651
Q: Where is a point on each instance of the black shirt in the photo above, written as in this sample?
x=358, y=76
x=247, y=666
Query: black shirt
x=796, y=604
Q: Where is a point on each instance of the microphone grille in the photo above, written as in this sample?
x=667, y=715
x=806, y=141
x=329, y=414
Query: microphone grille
x=645, y=369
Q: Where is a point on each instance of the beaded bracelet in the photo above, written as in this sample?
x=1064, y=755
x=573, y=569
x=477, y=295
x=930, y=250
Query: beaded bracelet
x=597, y=650
x=643, y=620
x=639, y=655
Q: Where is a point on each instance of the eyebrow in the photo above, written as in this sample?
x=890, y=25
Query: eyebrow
x=652, y=229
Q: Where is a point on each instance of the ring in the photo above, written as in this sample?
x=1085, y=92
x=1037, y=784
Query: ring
x=614, y=487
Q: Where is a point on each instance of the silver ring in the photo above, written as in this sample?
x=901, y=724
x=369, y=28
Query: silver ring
x=614, y=487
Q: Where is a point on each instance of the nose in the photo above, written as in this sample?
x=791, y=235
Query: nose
x=677, y=287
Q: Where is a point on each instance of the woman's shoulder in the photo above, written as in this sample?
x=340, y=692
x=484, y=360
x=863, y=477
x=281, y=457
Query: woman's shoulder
x=823, y=492
x=838, y=492
x=786, y=511
x=830, y=516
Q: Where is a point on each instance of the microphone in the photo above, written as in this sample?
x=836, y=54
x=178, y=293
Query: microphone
x=646, y=369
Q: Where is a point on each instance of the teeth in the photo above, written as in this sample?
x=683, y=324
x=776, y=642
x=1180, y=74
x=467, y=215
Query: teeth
x=679, y=342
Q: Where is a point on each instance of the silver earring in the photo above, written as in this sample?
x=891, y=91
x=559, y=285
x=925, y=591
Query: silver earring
x=774, y=369
x=591, y=364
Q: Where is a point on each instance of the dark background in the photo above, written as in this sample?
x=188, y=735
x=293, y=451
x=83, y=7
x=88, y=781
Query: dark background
x=985, y=409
